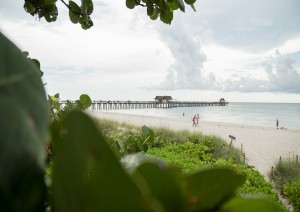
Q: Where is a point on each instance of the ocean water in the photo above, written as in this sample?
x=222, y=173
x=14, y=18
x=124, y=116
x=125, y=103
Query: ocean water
x=258, y=114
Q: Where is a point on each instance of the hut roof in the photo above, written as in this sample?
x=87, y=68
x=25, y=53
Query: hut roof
x=163, y=98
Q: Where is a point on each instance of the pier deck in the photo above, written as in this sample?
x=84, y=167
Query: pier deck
x=117, y=105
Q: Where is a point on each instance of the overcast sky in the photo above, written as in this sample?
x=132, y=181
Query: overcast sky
x=241, y=50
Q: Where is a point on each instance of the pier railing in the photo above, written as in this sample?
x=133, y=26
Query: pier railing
x=117, y=105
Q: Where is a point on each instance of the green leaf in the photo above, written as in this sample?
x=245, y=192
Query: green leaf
x=166, y=16
x=250, y=205
x=74, y=12
x=173, y=5
x=30, y=8
x=83, y=7
x=50, y=12
x=90, y=7
x=85, y=100
x=190, y=1
x=36, y=63
x=24, y=131
x=26, y=54
x=130, y=4
x=85, y=25
x=20, y=82
x=209, y=188
x=74, y=7
x=193, y=7
x=155, y=14
x=181, y=5
x=150, y=10
x=147, y=131
x=74, y=17
x=165, y=185
x=86, y=172
x=148, y=137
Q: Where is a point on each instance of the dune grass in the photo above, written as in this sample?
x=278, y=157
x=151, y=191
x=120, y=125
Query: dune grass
x=286, y=171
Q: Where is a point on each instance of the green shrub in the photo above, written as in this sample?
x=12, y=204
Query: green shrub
x=292, y=192
x=125, y=141
x=218, y=147
x=189, y=157
x=255, y=183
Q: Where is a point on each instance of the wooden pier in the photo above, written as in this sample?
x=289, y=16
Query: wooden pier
x=118, y=105
x=160, y=102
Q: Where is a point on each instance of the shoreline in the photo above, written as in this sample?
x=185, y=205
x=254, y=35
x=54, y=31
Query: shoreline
x=262, y=145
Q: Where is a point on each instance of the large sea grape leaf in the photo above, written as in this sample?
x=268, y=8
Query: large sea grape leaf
x=87, y=176
x=23, y=132
x=209, y=188
x=250, y=205
x=165, y=185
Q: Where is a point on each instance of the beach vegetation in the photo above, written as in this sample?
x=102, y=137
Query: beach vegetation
x=292, y=192
x=286, y=177
x=218, y=147
x=285, y=171
x=190, y=158
x=59, y=112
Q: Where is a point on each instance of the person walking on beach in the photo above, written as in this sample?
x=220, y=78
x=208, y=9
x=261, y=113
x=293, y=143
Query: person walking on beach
x=197, y=120
x=194, y=121
x=277, y=123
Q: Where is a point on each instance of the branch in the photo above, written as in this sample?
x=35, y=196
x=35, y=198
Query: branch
x=143, y=5
x=65, y=4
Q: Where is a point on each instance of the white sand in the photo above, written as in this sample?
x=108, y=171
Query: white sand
x=262, y=145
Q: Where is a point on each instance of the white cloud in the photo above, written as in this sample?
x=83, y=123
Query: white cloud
x=281, y=77
x=186, y=71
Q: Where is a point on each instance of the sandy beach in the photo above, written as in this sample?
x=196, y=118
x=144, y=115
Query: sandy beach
x=262, y=145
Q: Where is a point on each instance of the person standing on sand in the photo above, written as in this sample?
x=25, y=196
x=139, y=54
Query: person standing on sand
x=194, y=121
x=277, y=123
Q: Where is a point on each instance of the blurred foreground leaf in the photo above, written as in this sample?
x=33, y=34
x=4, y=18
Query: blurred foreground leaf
x=86, y=174
x=250, y=205
x=23, y=133
x=209, y=188
x=165, y=185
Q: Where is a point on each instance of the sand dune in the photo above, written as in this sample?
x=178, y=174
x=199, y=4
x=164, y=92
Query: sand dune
x=262, y=145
